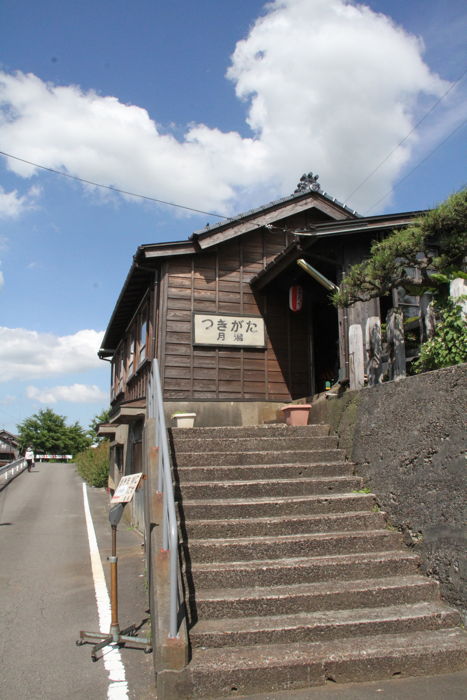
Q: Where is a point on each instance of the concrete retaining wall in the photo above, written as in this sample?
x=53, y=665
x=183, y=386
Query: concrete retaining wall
x=407, y=440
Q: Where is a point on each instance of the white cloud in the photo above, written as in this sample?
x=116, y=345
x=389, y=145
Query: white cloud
x=330, y=86
x=2, y=280
x=26, y=354
x=12, y=204
x=74, y=393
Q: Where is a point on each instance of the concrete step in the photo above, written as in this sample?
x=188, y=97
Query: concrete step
x=216, y=673
x=296, y=570
x=206, y=459
x=254, y=444
x=312, y=597
x=264, y=472
x=251, y=431
x=274, y=506
x=323, y=625
x=301, y=545
x=256, y=488
x=284, y=525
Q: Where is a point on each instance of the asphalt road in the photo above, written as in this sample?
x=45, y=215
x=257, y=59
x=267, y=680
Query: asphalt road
x=47, y=591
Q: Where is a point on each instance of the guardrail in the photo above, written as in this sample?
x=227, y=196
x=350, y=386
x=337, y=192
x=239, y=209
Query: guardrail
x=155, y=406
x=9, y=471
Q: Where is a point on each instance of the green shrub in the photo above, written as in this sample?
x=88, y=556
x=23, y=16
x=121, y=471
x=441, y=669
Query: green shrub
x=449, y=344
x=93, y=464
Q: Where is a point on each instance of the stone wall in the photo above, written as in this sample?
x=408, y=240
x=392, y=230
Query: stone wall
x=407, y=440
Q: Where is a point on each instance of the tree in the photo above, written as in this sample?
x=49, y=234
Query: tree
x=47, y=432
x=101, y=417
x=434, y=244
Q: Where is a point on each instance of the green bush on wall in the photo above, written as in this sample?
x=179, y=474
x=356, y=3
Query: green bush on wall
x=449, y=343
x=93, y=464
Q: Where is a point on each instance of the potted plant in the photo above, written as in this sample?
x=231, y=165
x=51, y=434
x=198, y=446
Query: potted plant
x=183, y=420
x=296, y=413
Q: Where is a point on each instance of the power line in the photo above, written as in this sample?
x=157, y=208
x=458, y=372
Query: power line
x=458, y=127
x=113, y=189
x=451, y=87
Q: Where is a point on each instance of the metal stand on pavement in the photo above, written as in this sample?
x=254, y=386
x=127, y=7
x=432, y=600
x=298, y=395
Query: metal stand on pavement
x=116, y=636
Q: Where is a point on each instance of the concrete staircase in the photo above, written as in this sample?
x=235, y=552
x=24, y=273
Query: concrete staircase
x=292, y=575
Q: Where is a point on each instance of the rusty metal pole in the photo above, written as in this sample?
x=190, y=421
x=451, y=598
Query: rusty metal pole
x=113, y=559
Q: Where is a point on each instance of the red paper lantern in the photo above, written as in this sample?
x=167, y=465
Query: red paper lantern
x=296, y=297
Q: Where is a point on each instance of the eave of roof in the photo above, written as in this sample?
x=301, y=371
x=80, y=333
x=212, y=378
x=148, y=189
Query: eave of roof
x=133, y=290
x=306, y=239
x=269, y=213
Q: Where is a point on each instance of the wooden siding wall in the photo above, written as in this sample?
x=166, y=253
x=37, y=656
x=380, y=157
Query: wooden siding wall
x=217, y=282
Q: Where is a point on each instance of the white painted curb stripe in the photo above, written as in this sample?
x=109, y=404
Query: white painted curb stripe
x=118, y=687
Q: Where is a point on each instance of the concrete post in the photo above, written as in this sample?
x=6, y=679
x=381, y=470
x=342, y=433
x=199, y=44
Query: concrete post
x=457, y=289
x=396, y=344
x=356, y=361
x=374, y=367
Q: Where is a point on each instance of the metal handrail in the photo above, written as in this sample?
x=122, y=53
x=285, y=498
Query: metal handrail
x=8, y=471
x=155, y=407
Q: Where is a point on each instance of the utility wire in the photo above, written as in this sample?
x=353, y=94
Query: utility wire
x=114, y=189
x=451, y=87
x=418, y=165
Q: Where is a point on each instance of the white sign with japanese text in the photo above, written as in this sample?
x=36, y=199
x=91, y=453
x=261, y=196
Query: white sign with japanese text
x=126, y=488
x=228, y=329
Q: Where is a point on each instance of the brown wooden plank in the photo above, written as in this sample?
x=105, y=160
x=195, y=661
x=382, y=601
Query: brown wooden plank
x=226, y=360
x=254, y=363
x=201, y=394
x=178, y=326
x=177, y=349
x=229, y=307
x=203, y=361
x=253, y=375
x=177, y=304
x=204, y=295
x=178, y=360
x=177, y=372
x=229, y=286
x=232, y=297
x=178, y=281
x=254, y=387
x=230, y=375
x=179, y=315
x=175, y=337
x=180, y=268
x=232, y=276
x=205, y=273
x=179, y=293
x=173, y=394
x=205, y=305
x=200, y=283
x=205, y=373
x=231, y=386
x=251, y=309
x=177, y=384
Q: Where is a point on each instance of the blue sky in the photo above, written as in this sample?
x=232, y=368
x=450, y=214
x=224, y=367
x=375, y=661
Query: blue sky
x=220, y=106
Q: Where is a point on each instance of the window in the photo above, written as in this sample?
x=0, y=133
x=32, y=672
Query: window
x=131, y=353
x=143, y=334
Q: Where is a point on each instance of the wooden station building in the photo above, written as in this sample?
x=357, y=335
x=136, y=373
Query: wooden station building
x=238, y=327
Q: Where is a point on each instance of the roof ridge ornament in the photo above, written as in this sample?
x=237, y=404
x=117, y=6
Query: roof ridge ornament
x=308, y=183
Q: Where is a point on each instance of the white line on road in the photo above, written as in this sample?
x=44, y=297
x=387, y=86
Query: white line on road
x=118, y=688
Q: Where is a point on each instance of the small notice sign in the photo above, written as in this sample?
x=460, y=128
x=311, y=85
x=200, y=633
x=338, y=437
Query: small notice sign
x=126, y=488
x=236, y=331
